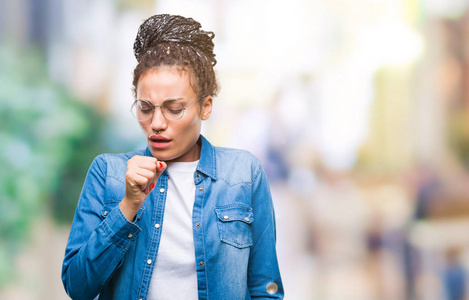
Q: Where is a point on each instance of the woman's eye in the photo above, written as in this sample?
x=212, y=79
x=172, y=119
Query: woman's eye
x=173, y=107
x=145, y=108
x=175, y=111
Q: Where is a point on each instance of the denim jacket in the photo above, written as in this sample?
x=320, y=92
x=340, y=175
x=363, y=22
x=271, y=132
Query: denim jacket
x=233, y=227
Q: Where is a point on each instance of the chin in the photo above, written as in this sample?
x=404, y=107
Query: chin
x=160, y=155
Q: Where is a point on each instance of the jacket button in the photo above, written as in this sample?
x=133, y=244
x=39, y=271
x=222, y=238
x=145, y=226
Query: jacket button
x=197, y=224
x=226, y=217
x=157, y=225
x=202, y=264
x=198, y=175
x=130, y=235
x=271, y=288
x=201, y=189
x=162, y=190
x=105, y=213
x=149, y=261
x=247, y=219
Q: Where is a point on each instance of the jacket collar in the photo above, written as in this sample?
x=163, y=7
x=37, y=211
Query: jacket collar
x=207, y=163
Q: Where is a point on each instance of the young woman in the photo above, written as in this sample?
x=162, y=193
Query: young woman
x=181, y=219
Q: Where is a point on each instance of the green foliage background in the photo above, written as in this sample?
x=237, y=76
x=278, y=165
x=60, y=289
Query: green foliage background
x=47, y=141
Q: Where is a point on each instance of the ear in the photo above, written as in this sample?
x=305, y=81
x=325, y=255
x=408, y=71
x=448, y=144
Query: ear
x=206, y=108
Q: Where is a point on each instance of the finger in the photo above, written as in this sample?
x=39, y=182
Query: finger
x=150, y=186
x=146, y=167
x=143, y=168
x=161, y=166
x=139, y=158
x=152, y=183
x=149, y=174
x=145, y=162
x=135, y=180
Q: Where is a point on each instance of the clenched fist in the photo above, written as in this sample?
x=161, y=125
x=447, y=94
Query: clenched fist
x=140, y=179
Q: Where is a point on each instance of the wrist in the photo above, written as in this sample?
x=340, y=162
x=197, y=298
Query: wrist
x=129, y=210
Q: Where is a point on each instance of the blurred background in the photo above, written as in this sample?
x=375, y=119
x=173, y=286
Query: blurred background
x=358, y=109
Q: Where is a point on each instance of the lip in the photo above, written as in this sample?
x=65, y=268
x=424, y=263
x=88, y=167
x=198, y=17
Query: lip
x=159, y=141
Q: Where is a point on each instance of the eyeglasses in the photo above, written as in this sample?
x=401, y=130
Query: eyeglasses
x=171, y=108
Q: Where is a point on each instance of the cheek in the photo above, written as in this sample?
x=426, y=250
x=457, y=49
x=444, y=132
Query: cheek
x=192, y=123
x=195, y=122
x=195, y=125
x=145, y=127
x=188, y=129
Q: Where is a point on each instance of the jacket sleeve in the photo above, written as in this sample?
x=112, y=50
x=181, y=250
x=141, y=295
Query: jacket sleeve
x=264, y=281
x=98, y=239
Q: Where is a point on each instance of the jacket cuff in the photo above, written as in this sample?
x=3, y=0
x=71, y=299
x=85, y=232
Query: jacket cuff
x=119, y=230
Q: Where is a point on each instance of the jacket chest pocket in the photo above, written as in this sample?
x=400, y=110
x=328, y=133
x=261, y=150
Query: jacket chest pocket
x=234, y=225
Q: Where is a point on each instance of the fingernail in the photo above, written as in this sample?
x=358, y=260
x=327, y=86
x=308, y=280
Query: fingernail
x=161, y=165
x=153, y=185
x=147, y=191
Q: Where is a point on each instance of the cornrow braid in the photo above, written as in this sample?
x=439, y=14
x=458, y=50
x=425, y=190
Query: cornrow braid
x=171, y=40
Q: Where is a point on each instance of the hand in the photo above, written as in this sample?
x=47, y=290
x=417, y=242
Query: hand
x=140, y=179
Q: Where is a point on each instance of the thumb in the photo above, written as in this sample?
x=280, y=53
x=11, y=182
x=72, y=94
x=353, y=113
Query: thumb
x=160, y=167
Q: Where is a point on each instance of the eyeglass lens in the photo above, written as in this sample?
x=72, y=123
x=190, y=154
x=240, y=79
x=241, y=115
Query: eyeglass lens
x=171, y=108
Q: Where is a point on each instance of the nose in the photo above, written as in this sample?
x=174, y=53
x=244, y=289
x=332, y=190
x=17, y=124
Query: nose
x=158, y=121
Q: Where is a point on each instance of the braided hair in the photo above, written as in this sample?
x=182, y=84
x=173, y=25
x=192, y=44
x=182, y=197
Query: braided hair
x=171, y=40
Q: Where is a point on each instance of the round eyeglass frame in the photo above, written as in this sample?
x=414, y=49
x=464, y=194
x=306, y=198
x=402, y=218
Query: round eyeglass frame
x=153, y=107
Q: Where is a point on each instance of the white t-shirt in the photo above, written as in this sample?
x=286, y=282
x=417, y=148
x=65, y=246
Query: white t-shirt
x=174, y=275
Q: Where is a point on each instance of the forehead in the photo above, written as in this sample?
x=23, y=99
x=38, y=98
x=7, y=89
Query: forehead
x=165, y=82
